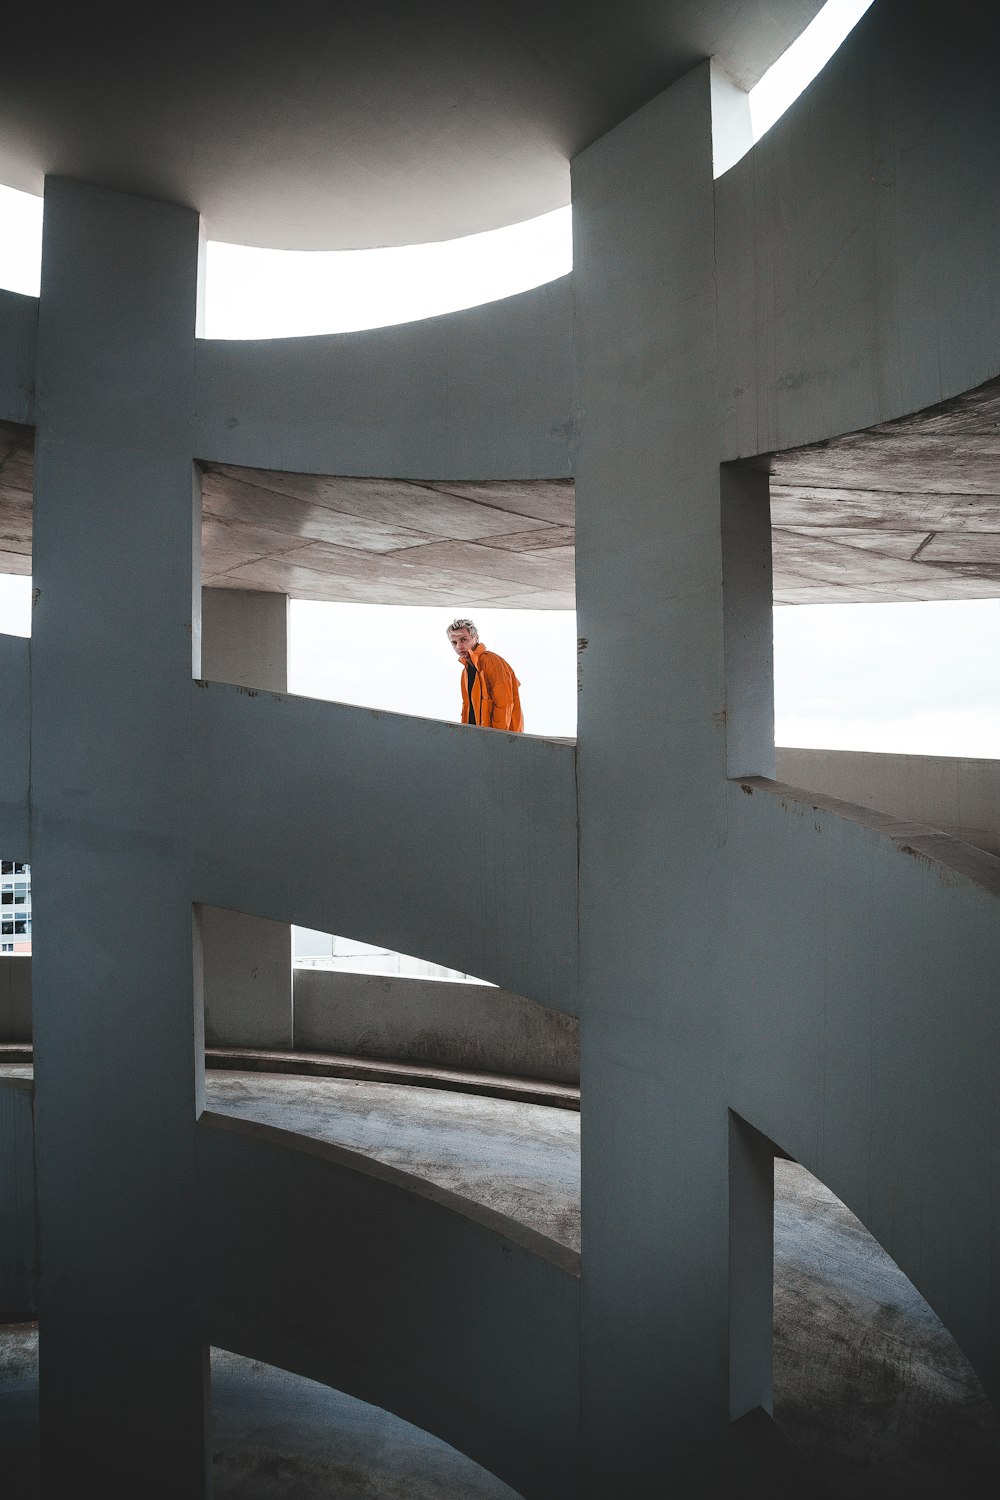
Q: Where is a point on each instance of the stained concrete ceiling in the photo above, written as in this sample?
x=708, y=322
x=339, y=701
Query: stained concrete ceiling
x=907, y=510
x=366, y=122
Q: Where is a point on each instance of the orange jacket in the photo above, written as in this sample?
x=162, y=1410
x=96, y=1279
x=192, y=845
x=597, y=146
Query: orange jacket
x=494, y=693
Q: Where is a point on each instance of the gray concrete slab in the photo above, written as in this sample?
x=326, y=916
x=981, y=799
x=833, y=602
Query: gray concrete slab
x=522, y=1160
x=273, y=1436
x=905, y=510
x=868, y=1382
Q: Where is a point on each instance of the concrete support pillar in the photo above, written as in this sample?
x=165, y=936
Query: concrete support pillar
x=751, y=1269
x=653, y=795
x=117, y=1032
x=247, y=960
x=748, y=601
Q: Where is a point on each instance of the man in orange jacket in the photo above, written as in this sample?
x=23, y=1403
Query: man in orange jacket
x=489, y=687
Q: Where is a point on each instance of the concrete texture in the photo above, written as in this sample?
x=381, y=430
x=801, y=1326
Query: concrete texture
x=402, y=130
x=440, y=1024
x=868, y=1383
x=15, y=747
x=274, y=1435
x=246, y=961
x=15, y=998
x=366, y=819
x=960, y=796
x=433, y=1021
x=906, y=509
x=744, y=948
x=474, y=1316
x=521, y=1160
x=112, y=566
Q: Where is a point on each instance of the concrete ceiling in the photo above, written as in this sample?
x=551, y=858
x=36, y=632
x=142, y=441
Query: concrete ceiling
x=316, y=125
x=905, y=511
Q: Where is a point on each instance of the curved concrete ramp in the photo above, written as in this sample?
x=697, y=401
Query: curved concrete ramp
x=434, y=839
x=345, y=1270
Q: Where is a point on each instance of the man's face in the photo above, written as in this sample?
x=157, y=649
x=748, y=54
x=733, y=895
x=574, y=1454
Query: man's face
x=463, y=642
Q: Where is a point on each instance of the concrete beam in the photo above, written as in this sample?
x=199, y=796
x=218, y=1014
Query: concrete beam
x=118, y=1052
x=448, y=842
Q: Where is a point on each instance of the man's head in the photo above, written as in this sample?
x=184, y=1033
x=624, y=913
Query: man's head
x=463, y=636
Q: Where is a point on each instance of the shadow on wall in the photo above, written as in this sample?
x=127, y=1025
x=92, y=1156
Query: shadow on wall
x=868, y=1382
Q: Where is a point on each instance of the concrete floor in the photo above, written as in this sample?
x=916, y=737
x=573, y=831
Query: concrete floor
x=869, y=1384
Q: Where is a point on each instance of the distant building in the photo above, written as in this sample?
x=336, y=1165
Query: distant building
x=15, y=906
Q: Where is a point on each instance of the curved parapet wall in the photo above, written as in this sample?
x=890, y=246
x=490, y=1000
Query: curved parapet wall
x=432, y=1022
x=855, y=245
x=866, y=1040
x=960, y=795
x=452, y=844
x=18, y=338
x=481, y=394
x=339, y=1268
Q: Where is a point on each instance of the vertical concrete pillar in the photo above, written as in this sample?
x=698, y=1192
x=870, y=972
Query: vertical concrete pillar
x=748, y=601
x=123, y=1357
x=652, y=779
x=751, y=1269
x=247, y=960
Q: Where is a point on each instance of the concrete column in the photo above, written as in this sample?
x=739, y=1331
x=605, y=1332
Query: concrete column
x=652, y=778
x=748, y=601
x=247, y=960
x=117, y=1033
x=751, y=1269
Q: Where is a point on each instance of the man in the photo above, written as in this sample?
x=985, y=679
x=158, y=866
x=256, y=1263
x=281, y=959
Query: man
x=489, y=687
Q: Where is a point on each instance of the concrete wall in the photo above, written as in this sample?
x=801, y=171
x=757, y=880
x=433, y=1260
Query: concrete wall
x=450, y=1025
x=15, y=997
x=961, y=796
x=481, y=394
x=397, y=1291
x=454, y=844
x=18, y=338
x=117, y=1038
x=864, y=1035
x=15, y=741
x=430, y=1021
x=18, y=1267
x=246, y=960
x=742, y=950
x=855, y=245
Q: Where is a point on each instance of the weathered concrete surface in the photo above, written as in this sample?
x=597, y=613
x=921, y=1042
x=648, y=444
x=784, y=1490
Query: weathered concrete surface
x=521, y=1160
x=443, y=1022
x=855, y=243
x=18, y=1240
x=15, y=746
x=868, y=1382
x=15, y=997
x=366, y=819
x=959, y=795
x=246, y=961
x=18, y=341
x=402, y=131
x=274, y=1435
x=474, y=1318
x=111, y=747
